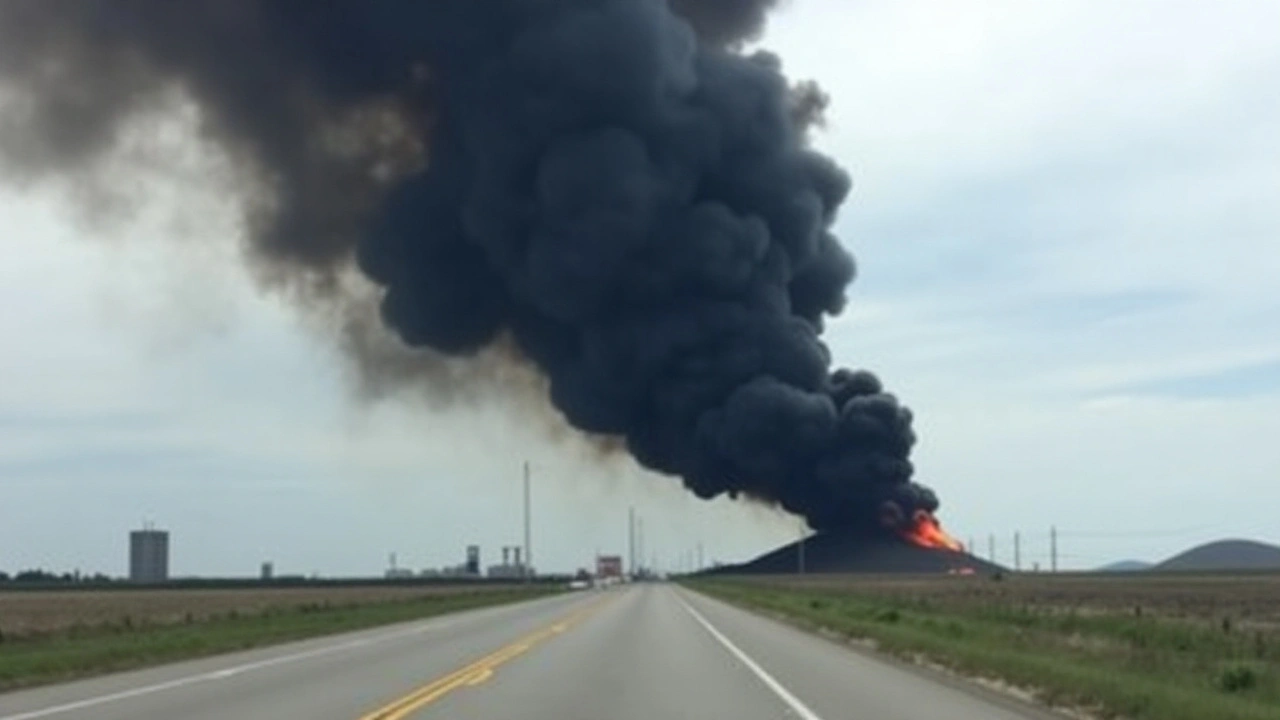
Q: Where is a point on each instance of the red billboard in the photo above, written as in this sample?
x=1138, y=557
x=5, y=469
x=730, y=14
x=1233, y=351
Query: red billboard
x=609, y=566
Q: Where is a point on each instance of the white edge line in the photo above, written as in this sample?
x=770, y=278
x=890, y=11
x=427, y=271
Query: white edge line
x=206, y=676
x=222, y=673
x=791, y=700
x=436, y=624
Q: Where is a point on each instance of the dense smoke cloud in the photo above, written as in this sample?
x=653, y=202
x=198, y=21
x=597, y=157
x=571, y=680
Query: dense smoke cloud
x=725, y=22
x=606, y=189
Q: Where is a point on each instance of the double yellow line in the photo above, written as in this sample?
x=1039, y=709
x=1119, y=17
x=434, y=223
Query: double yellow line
x=478, y=671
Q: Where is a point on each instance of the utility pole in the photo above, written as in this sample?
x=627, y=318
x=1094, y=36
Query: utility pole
x=528, y=548
x=991, y=547
x=1017, y=551
x=700, y=566
x=1053, y=548
x=631, y=540
x=640, y=540
x=800, y=551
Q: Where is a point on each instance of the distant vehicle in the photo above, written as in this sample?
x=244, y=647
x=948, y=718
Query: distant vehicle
x=579, y=585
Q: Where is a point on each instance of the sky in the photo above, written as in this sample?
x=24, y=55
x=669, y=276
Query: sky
x=1067, y=242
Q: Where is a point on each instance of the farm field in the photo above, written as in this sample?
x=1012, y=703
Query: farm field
x=28, y=613
x=1142, y=646
x=55, y=635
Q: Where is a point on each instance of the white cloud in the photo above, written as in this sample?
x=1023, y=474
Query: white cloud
x=1059, y=208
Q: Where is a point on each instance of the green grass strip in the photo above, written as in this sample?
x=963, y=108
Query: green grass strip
x=1108, y=674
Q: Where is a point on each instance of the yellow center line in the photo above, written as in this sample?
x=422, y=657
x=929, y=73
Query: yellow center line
x=480, y=676
x=477, y=672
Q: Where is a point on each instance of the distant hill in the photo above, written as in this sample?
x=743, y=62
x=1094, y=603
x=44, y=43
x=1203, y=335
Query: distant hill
x=1226, y=555
x=1126, y=566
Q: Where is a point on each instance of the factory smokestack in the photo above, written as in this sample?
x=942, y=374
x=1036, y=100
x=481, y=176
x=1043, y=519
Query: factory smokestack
x=608, y=191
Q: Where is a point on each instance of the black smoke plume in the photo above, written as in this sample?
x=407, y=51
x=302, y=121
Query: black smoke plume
x=611, y=190
x=724, y=22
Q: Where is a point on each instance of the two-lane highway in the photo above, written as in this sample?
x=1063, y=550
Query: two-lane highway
x=646, y=652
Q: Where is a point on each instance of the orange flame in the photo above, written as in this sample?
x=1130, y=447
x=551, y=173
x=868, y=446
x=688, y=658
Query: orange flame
x=925, y=531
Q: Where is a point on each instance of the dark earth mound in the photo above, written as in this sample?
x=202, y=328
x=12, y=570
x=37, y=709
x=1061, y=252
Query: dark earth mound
x=1225, y=555
x=831, y=552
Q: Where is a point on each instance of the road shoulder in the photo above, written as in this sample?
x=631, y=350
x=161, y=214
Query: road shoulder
x=1013, y=701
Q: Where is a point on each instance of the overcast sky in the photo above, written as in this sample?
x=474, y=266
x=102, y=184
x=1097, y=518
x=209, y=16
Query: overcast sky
x=1064, y=215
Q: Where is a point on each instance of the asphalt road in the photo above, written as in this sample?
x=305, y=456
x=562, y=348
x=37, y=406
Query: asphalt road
x=649, y=652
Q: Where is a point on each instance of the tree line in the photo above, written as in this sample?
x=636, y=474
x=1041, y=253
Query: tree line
x=45, y=577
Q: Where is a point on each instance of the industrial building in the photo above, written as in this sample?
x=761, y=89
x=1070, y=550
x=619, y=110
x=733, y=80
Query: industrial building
x=511, y=566
x=394, y=572
x=148, y=555
x=470, y=567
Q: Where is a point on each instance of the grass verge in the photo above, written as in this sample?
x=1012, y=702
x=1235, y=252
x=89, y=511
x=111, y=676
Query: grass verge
x=81, y=652
x=1114, y=666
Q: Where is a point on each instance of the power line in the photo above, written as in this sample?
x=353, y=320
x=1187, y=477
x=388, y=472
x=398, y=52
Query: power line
x=1139, y=533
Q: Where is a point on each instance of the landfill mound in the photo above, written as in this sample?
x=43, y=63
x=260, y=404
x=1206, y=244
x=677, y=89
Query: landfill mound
x=833, y=552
